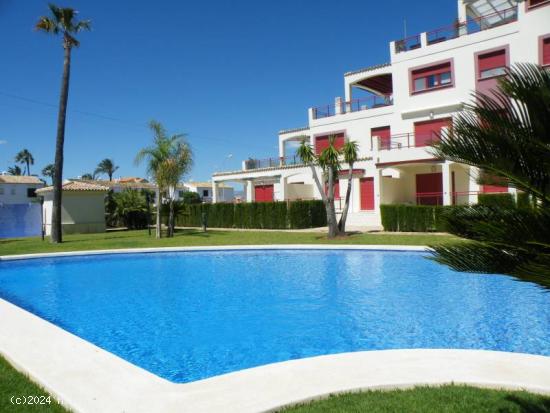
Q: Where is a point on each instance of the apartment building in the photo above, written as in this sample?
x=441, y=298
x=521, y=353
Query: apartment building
x=395, y=110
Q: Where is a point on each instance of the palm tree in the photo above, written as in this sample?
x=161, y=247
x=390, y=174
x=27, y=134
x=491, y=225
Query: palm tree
x=62, y=21
x=88, y=176
x=329, y=162
x=107, y=167
x=350, y=152
x=168, y=159
x=14, y=170
x=507, y=135
x=48, y=170
x=26, y=158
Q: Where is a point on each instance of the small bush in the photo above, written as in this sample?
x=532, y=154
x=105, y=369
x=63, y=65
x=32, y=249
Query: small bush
x=503, y=200
x=413, y=218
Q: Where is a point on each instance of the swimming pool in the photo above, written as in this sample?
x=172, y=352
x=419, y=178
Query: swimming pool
x=192, y=315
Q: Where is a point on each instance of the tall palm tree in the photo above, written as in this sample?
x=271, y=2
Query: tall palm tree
x=350, y=152
x=15, y=170
x=61, y=21
x=107, y=167
x=48, y=170
x=329, y=162
x=168, y=159
x=505, y=134
x=26, y=158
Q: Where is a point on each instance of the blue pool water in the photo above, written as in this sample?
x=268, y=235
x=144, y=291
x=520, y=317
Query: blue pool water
x=188, y=316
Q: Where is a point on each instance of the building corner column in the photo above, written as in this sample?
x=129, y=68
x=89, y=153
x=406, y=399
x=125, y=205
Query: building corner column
x=447, y=187
x=214, y=192
x=377, y=189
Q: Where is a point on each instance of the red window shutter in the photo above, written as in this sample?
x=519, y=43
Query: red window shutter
x=427, y=132
x=384, y=133
x=367, y=194
x=322, y=142
x=432, y=70
x=492, y=60
x=546, y=51
x=263, y=193
x=429, y=189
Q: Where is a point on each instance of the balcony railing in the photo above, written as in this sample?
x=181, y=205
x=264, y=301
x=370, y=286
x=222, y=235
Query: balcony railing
x=457, y=29
x=354, y=105
x=406, y=140
x=436, y=198
x=250, y=164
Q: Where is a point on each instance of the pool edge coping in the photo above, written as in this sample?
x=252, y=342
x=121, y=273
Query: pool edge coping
x=251, y=247
x=89, y=381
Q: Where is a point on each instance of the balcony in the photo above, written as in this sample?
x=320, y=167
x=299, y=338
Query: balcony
x=354, y=105
x=251, y=164
x=458, y=29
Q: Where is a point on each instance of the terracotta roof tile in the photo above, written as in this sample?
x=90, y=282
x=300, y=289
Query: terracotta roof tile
x=20, y=179
x=76, y=186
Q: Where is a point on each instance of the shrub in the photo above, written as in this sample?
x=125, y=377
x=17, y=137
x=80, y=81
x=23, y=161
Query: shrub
x=128, y=208
x=413, y=218
x=255, y=215
x=504, y=200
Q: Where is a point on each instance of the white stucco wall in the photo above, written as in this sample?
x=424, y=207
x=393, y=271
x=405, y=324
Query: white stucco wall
x=82, y=212
x=17, y=193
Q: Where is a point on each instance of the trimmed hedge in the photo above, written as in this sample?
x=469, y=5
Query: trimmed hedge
x=504, y=200
x=255, y=215
x=412, y=218
x=307, y=214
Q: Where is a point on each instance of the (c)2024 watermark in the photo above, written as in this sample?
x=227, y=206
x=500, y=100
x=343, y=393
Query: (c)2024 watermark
x=30, y=400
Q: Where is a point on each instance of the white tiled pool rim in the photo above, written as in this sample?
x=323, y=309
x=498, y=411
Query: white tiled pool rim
x=86, y=378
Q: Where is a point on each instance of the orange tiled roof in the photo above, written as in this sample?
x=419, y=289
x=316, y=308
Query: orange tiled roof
x=76, y=186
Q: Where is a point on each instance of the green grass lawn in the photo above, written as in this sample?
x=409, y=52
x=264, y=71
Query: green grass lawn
x=137, y=239
x=447, y=399
x=13, y=383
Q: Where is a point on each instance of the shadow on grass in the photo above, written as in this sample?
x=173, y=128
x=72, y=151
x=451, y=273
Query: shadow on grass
x=528, y=406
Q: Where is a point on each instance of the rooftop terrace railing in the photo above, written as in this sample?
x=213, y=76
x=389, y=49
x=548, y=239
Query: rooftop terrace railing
x=354, y=105
x=251, y=164
x=457, y=29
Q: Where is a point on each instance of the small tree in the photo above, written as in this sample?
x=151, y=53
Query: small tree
x=25, y=157
x=107, y=167
x=350, y=152
x=328, y=160
x=15, y=170
x=48, y=171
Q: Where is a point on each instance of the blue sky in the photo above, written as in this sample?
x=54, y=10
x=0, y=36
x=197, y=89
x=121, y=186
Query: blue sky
x=230, y=74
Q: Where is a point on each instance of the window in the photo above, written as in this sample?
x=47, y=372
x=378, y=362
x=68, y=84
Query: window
x=491, y=64
x=1, y=191
x=322, y=142
x=205, y=192
x=180, y=194
x=545, y=51
x=12, y=191
x=433, y=77
x=31, y=192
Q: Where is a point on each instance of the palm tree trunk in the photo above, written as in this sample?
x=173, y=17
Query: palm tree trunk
x=329, y=206
x=28, y=168
x=331, y=212
x=344, y=217
x=171, y=219
x=157, y=230
x=56, y=231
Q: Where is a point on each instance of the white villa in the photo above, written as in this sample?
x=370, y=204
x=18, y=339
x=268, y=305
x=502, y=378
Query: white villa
x=82, y=208
x=393, y=110
x=18, y=189
x=225, y=193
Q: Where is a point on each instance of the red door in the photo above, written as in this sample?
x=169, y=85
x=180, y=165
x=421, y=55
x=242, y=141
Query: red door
x=427, y=132
x=263, y=193
x=367, y=194
x=322, y=142
x=429, y=189
x=384, y=134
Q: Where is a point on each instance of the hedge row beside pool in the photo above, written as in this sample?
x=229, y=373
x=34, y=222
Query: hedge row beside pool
x=255, y=215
